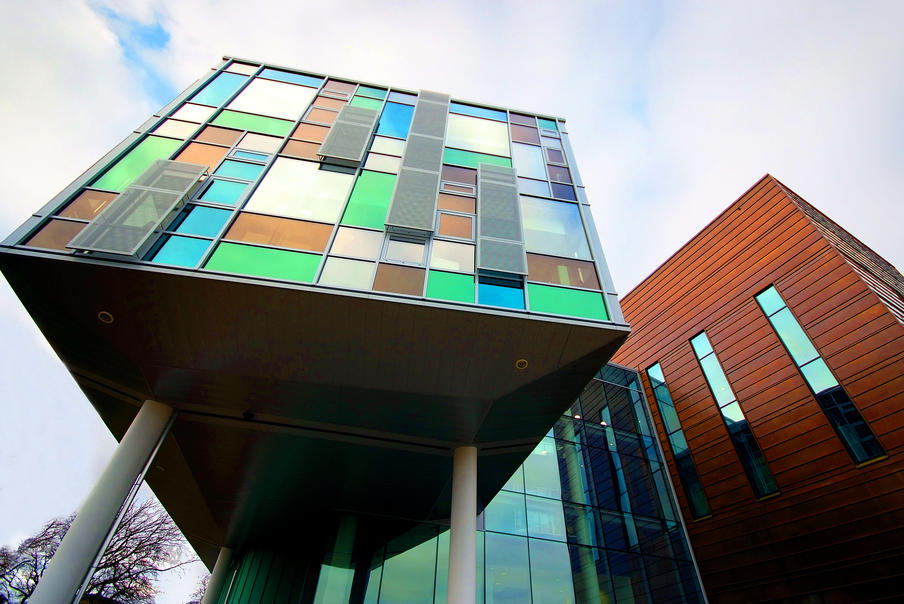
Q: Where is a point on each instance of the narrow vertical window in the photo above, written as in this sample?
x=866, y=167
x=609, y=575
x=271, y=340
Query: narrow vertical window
x=742, y=438
x=845, y=419
x=687, y=470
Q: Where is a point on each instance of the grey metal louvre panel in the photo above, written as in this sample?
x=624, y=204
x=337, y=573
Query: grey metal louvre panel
x=433, y=97
x=501, y=256
x=499, y=214
x=349, y=135
x=414, y=201
x=423, y=153
x=498, y=173
x=500, y=245
x=126, y=225
x=430, y=118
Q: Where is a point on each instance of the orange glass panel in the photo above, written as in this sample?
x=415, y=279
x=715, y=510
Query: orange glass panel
x=310, y=132
x=561, y=271
x=458, y=188
x=400, y=279
x=88, y=204
x=56, y=234
x=329, y=103
x=322, y=115
x=456, y=203
x=465, y=176
x=282, y=232
x=220, y=136
x=301, y=149
x=205, y=155
x=523, y=134
x=455, y=226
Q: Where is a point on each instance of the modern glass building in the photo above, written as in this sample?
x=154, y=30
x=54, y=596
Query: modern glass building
x=329, y=318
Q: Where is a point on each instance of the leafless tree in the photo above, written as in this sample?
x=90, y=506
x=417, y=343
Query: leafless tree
x=146, y=543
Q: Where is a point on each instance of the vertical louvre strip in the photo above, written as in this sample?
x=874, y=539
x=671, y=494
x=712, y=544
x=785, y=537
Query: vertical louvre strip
x=349, y=135
x=500, y=239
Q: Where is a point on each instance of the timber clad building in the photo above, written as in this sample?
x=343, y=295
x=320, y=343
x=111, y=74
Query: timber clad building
x=772, y=353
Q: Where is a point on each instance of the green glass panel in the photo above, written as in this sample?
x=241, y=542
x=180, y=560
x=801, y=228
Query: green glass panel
x=546, y=124
x=136, y=161
x=450, y=286
x=371, y=596
x=717, y=380
x=470, y=159
x=562, y=301
x=505, y=514
x=550, y=573
x=797, y=342
x=732, y=413
x=254, y=123
x=442, y=569
x=334, y=584
x=375, y=93
x=516, y=482
x=481, y=566
x=370, y=200
x=545, y=518
x=541, y=470
x=408, y=576
x=770, y=301
x=818, y=376
x=264, y=262
x=361, y=101
x=507, y=570
x=701, y=345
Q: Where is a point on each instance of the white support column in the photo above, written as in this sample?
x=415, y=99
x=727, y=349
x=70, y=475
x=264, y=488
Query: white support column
x=463, y=536
x=218, y=577
x=83, y=545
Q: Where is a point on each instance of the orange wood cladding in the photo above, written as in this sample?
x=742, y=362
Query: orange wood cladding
x=836, y=532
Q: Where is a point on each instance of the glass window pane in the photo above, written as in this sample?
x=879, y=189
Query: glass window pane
x=357, y=242
x=550, y=573
x=562, y=271
x=451, y=225
x=818, y=376
x=452, y=256
x=280, y=232
x=541, y=471
x=399, y=279
x=559, y=173
x=301, y=189
x=465, y=176
x=311, y=132
x=181, y=251
x=201, y=154
x=322, y=115
x=524, y=120
x=342, y=272
x=533, y=187
x=56, y=234
x=523, y=134
x=560, y=191
x=224, y=191
x=334, y=584
x=555, y=156
x=302, y=149
x=701, y=345
x=506, y=514
x=405, y=251
x=491, y=294
x=553, y=227
x=516, y=482
x=470, y=159
x=458, y=189
x=260, y=142
x=770, y=301
x=370, y=200
x=793, y=336
x=402, y=97
x=528, y=161
x=219, y=136
x=176, y=129
x=717, y=380
x=450, y=286
x=242, y=68
x=545, y=518
x=506, y=567
x=408, y=574
x=328, y=103
x=395, y=120
x=733, y=413
x=491, y=114
x=375, y=93
x=366, y=103
x=853, y=431
x=136, y=161
x=255, y=123
x=546, y=124
x=456, y=203
x=238, y=153
x=388, y=146
x=193, y=113
x=276, y=99
x=206, y=222
x=476, y=134
x=264, y=262
x=239, y=169
x=219, y=89
x=339, y=86
x=562, y=301
x=383, y=163
x=550, y=142
x=292, y=78
x=88, y=204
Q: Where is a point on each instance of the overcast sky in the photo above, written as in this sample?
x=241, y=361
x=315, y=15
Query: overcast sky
x=674, y=110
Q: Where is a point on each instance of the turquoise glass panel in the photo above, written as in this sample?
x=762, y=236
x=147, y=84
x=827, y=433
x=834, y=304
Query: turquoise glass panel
x=516, y=482
x=498, y=295
x=206, y=222
x=770, y=301
x=545, y=518
x=793, y=336
x=442, y=569
x=250, y=155
x=818, y=376
x=374, y=93
x=506, y=514
x=334, y=584
x=224, y=191
x=717, y=380
x=546, y=124
x=732, y=413
x=550, y=573
x=701, y=345
x=237, y=169
x=221, y=88
x=507, y=569
x=408, y=575
x=395, y=120
x=490, y=114
x=181, y=251
x=291, y=78
x=541, y=470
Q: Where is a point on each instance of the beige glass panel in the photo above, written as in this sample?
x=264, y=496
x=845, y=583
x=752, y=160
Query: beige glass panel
x=260, y=142
x=399, y=279
x=56, y=234
x=282, y=232
x=458, y=188
x=88, y=204
x=523, y=134
x=382, y=163
x=388, y=146
x=357, y=242
x=337, y=86
x=328, y=103
x=299, y=189
x=451, y=256
x=476, y=134
x=301, y=149
x=405, y=251
x=456, y=203
x=561, y=271
x=277, y=99
x=465, y=176
x=205, y=155
x=525, y=120
x=455, y=226
x=220, y=136
x=176, y=129
x=242, y=68
x=342, y=272
x=322, y=115
x=311, y=132
x=190, y=112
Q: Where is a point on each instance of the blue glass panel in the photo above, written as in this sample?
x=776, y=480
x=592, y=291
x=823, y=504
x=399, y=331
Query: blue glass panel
x=181, y=251
x=291, y=78
x=402, y=97
x=491, y=114
x=701, y=345
x=563, y=191
x=206, y=222
x=550, y=572
x=237, y=169
x=497, y=295
x=250, y=155
x=221, y=88
x=224, y=191
x=717, y=380
x=545, y=518
x=770, y=301
x=395, y=120
x=818, y=376
x=505, y=514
